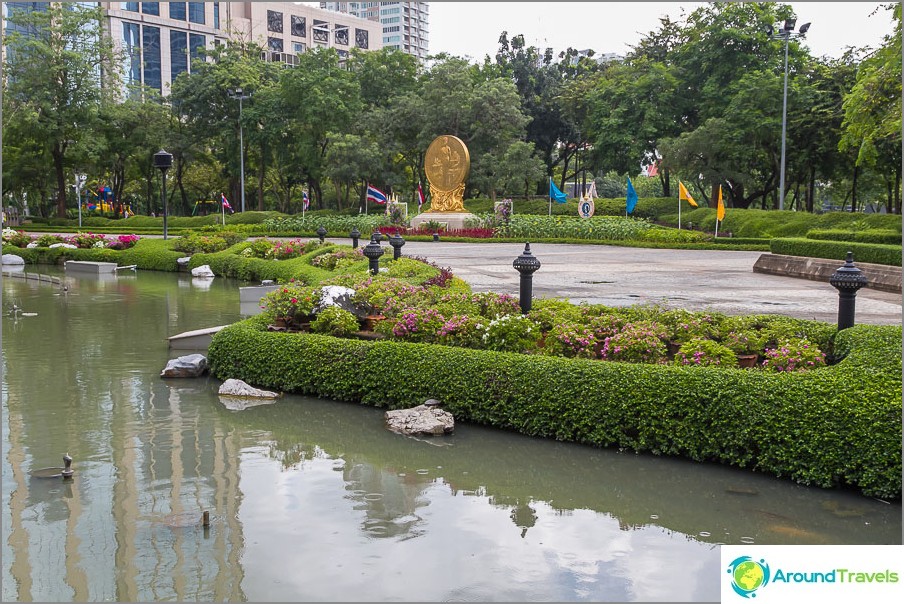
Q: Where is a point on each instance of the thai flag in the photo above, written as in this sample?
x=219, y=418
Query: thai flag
x=420, y=195
x=375, y=195
x=306, y=200
x=225, y=202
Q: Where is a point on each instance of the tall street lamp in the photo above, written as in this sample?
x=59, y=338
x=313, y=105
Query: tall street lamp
x=163, y=161
x=785, y=33
x=237, y=94
x=79, y=183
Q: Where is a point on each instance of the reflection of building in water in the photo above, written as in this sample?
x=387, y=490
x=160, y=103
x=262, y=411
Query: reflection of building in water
x=118, y=521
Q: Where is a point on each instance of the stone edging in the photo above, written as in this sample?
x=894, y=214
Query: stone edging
x=878, y=276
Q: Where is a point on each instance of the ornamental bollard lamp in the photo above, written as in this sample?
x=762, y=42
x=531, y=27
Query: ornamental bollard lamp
x=321, y=232
x=527, y=265
x=396, y=241
x=354, y=235
x=436, y=236
x=377, y=236
x=847, y=280
x=373, y=251
x=163, y=161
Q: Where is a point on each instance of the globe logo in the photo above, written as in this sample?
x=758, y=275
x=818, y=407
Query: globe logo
x=748, y=575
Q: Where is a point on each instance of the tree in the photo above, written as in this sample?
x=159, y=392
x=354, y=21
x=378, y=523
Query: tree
x=55, y=69
x=872, y=113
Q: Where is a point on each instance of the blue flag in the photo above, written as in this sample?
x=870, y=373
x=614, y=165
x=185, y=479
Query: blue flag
x=631, y=200
x=555, y=193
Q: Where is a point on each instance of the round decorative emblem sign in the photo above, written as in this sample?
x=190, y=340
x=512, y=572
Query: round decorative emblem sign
x=586, y=208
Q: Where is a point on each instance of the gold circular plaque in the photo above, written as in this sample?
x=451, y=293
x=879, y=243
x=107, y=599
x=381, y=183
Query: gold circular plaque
x=447, y=163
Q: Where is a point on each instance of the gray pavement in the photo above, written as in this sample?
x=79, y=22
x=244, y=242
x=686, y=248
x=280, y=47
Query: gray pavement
x=714, y=280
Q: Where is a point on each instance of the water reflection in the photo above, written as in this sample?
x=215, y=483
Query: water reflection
x=315, y=500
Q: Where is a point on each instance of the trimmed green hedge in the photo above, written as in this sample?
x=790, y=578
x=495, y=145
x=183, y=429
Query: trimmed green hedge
x=837, y=250
x=883, y=236
x=147, y=254
x=837, y=426
x=778, y=223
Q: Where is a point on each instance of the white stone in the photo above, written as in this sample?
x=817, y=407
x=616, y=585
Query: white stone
x=13, y=259
x=202, y=271
x=183, y=261
x=238, y=388
x=420, y=420
x=68, y=246
x=190, y=365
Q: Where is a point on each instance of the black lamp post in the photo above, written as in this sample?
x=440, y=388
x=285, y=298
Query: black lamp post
x=396, y=241
x=163, y=161
x=378, y=236
x=321, y=232
x=847, y=280
x=373, y=251
x=785, y=33
x=354, y=235
x=240, y=96
x=527, y=265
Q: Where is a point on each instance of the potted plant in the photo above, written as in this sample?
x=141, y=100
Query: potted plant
x=290, y=306
x=747, y=344
x=794, y=355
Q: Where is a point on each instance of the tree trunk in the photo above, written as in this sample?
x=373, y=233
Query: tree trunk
x=811, y=189
x=260, y=184
x=854, y=190
x=897, y=206
x=57, y=152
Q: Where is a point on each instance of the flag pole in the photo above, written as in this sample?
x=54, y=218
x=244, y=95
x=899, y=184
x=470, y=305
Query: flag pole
x=223, y=208
x=717, y=229
x=550, y=195
x=679, y=205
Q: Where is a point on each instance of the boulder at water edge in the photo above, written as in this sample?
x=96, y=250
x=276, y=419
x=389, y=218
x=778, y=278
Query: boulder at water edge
x=336, y=295
x=190, y=365
x=12, y=259
x=202, y=271
x=232, y=387
x=420, y=420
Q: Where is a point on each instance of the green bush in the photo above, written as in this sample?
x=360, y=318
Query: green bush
x=835, y=250
x=883, y=236
x=334, y=321
x=705, y=352
x=835, y=426
x=779, y=223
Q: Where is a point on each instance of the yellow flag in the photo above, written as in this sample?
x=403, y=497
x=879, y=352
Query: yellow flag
x=683, y=194
x=720, y=208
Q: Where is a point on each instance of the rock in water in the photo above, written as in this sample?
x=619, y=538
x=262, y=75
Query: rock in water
x=238, y=388
x=420, y=420
x=191, y=365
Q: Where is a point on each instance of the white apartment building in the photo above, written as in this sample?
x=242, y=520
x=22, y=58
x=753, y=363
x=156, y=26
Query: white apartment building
x=161, y=39
x=406, y=25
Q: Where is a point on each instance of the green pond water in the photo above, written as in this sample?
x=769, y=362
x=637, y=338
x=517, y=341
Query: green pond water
x=314, y=500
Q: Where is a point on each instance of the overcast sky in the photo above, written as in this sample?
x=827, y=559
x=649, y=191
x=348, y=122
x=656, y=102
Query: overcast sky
x=473, y=28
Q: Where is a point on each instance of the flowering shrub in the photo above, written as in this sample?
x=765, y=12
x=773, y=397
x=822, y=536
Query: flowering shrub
x=388, y=295
x=194, y=242
x=548, y=313
x=685, y=325
x=47, y=240
x=292, y=302
x=700, y=351
x=259, y=248
x=16, y=238
x=744, y=341
x=123, y=242
x=87, y=240
x=460, y=330
x=334, y=321
x=416, y=325
x=510, y=333
x=333, y=260
x=639, y=342
x=284, y=250
x=430, y=227
x=606, y=325
x=794, y=355
x=571, y=340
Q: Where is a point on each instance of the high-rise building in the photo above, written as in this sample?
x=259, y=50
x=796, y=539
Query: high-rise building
x=406, y=25
x=161, y=39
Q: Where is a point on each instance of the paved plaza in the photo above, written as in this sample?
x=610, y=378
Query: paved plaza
x=715, y=280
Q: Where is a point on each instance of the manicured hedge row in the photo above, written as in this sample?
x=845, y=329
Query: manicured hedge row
x=883, y=236
x=831, y=427
x=148, y=254
x=778, y=223
x=837, y=250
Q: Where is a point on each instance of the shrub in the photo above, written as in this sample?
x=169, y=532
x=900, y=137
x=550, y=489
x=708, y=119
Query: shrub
x=883, y=236
x=292, y=302
x=509, y=333
x=87, y=240
x=836, y=250
x=416, y=325
x=123, y=242
x=460, y=330
x=640, y=342
x=701, y=351
x=794, y=355
x=16, y=238
x=194, y=242
x=47, y=240
x=332, y=260
x=571, y=340
x=334, y=321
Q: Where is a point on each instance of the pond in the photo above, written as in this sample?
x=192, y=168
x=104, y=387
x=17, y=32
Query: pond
x=314, y=500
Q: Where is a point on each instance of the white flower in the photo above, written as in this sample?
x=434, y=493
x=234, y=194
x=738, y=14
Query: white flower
x=31, y=245
x=68, y=246
x=100, y=243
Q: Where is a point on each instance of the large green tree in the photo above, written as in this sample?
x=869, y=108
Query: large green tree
x=58, y=57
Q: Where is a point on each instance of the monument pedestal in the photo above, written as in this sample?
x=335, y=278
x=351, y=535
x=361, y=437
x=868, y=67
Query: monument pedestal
x=451, y=220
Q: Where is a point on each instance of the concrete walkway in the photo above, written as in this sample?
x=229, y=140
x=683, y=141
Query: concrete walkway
x=715, y=280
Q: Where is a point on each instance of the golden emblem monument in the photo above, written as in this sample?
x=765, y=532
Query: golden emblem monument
x=447, y=163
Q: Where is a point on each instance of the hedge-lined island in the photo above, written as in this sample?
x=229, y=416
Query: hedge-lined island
x=818, y=406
